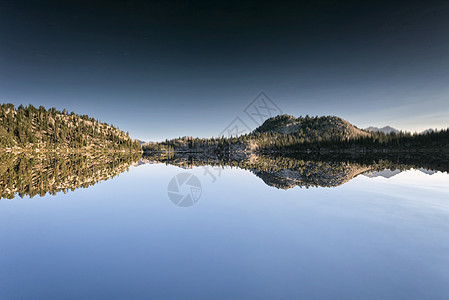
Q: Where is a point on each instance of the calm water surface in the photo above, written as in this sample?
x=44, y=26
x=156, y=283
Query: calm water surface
x=123, y=238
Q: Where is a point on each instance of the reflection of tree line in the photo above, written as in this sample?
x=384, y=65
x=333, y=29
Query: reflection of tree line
x=430, y=160
x=37, y=174
x=307, y=170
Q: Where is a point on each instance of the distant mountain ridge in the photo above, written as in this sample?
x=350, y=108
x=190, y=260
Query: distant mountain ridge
x=430, y=130
x=139, y=141
x=386, y=129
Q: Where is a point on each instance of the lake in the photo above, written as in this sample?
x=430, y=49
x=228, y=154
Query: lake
x=167, y=230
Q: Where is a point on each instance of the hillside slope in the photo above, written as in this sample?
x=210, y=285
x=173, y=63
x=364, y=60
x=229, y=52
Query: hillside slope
x=279, y=131
x=38, y=128
x=326, y=127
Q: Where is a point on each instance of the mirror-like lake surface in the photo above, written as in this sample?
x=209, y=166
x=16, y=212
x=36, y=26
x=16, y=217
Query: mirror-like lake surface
x=158, y=231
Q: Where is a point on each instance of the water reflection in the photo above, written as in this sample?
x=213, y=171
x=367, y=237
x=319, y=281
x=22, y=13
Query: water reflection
x=367, y=239
x=38, y=174
x=310, y=170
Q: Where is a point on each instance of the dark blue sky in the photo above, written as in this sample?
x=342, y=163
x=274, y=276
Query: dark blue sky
x=172, y=68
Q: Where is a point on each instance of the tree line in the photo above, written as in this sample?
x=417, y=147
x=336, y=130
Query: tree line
x=328, y=133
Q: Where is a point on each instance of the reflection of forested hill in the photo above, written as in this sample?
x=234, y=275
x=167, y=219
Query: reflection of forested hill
x=312, y=174
x=37, y=174
x=307, y=170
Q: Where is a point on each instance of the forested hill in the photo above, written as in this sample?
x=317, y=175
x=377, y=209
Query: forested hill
x=37, y=128
x=325, y=127
x=309, y=134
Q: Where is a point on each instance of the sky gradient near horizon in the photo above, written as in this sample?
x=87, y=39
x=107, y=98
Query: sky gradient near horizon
x=167, y=69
